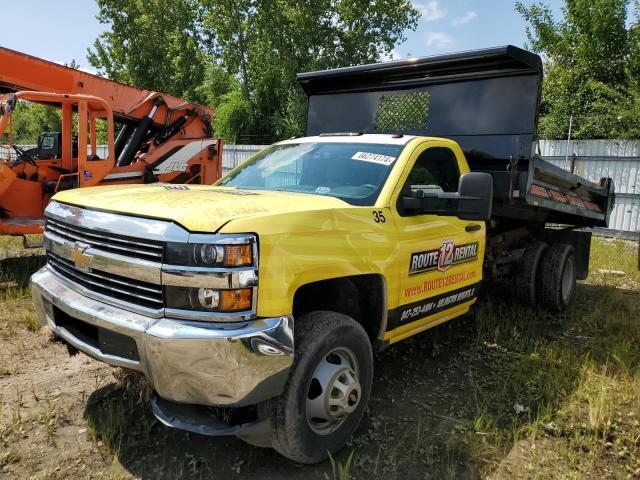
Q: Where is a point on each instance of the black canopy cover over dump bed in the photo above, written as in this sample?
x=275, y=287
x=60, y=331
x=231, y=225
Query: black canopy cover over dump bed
x=487, y=101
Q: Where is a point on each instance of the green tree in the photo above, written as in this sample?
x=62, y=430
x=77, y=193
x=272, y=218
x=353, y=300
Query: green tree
x=241, y=56
x=234, y=116
x=217, y=83
x=152, y=44
x=73, y=64
x=265, y=43
x=30, y=119
x=592, y=70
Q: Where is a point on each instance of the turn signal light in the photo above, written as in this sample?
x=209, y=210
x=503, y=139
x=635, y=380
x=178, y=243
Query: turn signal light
x=238, y=255
x=235, y=300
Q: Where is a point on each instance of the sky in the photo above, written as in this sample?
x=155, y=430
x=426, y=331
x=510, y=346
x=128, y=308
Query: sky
x=62, y=30
x=456, y=25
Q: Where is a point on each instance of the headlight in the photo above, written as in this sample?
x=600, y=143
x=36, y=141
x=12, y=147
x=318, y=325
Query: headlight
x=209, y=255
x=209, y=299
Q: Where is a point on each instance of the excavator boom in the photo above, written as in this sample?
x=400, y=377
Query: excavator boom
x=161, y=138
x=19, y=71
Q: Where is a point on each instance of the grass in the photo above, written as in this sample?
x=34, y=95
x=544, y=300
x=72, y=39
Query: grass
x=339, y=470
x=16, y=267
x=11, y=247
x=49, y=417
x=509, y=393
x=116, y=410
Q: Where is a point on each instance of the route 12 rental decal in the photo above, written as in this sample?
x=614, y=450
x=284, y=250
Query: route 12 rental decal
x=443, y=258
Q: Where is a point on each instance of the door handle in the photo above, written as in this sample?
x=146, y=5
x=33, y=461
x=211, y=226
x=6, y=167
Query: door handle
x=474, y=227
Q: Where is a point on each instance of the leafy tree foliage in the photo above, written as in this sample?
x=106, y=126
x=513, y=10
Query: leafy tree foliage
x=30, y=119
x=154, y=44
x=592, y=68
x=241, y=56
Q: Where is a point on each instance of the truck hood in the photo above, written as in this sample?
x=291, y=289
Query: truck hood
x=198, y=208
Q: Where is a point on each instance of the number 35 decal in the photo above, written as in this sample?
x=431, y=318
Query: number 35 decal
x=378, y=216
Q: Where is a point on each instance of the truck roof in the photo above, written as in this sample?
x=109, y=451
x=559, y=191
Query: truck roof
x=375, y=138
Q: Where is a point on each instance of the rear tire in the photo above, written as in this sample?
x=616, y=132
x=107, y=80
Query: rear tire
x=311, y=420
x=557, y=278
x=526, y=276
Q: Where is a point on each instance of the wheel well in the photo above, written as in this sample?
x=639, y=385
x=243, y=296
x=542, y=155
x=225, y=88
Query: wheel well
x=361, y=297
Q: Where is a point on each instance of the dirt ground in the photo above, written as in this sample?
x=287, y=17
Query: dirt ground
x=509, y=393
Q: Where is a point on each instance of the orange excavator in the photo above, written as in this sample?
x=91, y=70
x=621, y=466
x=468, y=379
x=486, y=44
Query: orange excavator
x=160, y=138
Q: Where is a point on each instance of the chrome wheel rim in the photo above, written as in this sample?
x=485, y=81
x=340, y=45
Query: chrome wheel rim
x=334, y=391
x=567, y=279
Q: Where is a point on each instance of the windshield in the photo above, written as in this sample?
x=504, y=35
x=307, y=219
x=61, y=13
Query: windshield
x=353, y=172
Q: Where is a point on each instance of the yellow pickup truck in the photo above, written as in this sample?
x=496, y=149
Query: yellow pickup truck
x=254, y=306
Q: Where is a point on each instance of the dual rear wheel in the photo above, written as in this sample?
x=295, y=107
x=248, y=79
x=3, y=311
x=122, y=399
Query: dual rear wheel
x=546, y=276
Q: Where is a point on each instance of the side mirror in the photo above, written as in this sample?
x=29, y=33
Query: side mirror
x=472, y=201
x=475, y=192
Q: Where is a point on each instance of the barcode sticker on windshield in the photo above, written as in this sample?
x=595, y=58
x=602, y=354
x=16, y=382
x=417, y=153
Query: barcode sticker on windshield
x=374, y=158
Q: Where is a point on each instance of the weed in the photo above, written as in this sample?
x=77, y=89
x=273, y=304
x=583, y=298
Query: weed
x=110, y=426
x=599, y=407
x=49, y=416
x=339, y=470
x=4, y=428
x=118, y=418
x=10, y=425
x=9, y=457
x=31, y=322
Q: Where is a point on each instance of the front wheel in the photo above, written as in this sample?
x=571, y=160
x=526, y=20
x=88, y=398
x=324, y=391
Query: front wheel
x=328, y=389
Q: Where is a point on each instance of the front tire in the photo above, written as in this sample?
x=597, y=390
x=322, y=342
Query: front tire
x=328, y=388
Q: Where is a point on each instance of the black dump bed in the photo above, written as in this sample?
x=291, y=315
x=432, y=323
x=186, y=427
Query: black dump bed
x=487, y=101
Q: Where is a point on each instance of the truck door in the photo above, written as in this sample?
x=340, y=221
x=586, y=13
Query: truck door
x=440, y=257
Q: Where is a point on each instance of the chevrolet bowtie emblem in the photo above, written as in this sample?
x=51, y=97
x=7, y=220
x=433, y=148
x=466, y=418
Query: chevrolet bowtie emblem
x=81, y=259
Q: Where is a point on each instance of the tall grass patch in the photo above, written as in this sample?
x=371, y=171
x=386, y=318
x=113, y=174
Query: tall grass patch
x=572, y=377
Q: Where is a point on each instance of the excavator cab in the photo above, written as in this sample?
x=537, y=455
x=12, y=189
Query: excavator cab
x=49, y=146
x=61, y=160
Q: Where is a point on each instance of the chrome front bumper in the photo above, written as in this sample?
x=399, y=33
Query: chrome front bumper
x=205, y=363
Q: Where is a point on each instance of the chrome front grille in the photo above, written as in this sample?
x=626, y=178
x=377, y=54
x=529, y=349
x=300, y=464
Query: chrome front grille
x=120, y=260
x=128, y=290
x=95, y=252
x=108, y=242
